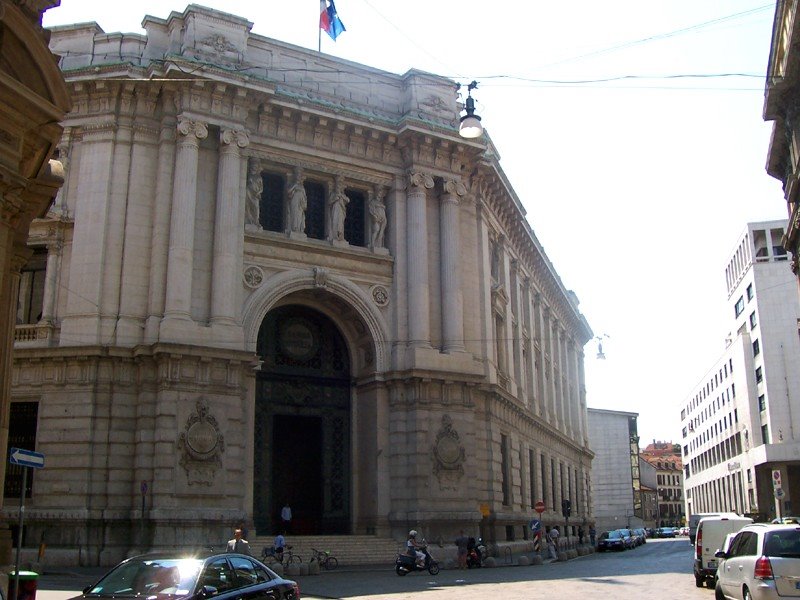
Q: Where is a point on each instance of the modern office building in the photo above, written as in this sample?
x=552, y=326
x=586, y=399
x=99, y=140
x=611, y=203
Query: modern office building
x=741, y=423
x=277, y=276
x=616, y=485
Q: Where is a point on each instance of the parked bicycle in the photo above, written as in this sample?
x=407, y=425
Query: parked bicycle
x=325, y=559
x=287, y=557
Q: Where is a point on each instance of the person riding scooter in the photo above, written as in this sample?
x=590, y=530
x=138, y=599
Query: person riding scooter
x=412, y=547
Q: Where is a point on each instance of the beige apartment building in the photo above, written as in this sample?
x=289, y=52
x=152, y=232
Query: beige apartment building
x=275, y=276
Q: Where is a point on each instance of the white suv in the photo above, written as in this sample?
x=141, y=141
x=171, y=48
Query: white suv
x=762, y=563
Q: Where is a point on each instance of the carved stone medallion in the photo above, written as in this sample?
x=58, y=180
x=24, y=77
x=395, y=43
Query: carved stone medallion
x=253, y=276
x=380, y=295
x=448, y=455
x=201, y=445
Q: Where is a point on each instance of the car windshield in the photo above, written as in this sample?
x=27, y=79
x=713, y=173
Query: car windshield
x=783, y=544
x=614, y=535
x=150, y=577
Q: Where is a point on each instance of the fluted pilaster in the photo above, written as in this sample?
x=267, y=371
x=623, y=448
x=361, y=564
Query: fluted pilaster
x=452, y=301
x=419, y=324
x=227, y=268
x=181, y=238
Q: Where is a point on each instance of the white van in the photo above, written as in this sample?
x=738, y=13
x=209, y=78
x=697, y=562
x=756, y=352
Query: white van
x=695, y=519
x=710, y=537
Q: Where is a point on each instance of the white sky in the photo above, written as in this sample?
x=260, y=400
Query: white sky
x=638, y=189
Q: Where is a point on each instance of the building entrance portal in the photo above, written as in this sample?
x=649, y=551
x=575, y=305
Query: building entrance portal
x=302, y=424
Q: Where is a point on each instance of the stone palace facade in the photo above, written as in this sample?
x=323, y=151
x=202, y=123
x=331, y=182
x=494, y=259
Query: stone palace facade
x=275, y=276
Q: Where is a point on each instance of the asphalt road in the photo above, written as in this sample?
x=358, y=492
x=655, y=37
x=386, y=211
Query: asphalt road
x=661, y=569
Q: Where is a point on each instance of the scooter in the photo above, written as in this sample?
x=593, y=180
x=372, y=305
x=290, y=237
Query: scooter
x=475, y=553
x=406, y=563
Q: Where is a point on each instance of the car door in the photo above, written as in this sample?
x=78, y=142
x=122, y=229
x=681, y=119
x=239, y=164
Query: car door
x=253, y=582
x=741, y=561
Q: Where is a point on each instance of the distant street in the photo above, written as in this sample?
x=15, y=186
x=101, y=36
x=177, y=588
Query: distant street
x=661, y=569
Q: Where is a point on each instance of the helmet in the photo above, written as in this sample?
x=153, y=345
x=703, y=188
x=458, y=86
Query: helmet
x=412, y=533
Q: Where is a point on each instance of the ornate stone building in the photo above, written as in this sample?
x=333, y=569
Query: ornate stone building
x=274, y=276
x=33, y=100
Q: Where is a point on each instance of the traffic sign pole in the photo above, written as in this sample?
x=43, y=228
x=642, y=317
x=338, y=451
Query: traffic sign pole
x=25, y=459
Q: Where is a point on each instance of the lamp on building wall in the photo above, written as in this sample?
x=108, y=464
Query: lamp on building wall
x=470, y=126
x=599, y=339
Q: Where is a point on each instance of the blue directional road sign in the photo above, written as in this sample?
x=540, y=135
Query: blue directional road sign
x=535, y=525
x=25, y=458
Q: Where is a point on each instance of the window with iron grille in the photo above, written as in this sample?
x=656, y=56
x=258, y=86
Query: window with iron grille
x=354, y=221
x=315, y=212
x=21, y=434
x=272, y=201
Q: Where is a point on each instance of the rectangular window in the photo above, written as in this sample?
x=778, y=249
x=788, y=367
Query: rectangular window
x=315, y=211
x=762, y=403
x=21, y=434
x=271, y=207
x=756, y=348
x=543, y=479
x=749, y=292
x=753, y=322
x=739, y=308
x=505, y=469
x=765, y=434
x=759, y=375
x=355, y=222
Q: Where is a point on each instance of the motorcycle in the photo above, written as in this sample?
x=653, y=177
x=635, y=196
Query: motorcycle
x=406, y=563
x=475, y=553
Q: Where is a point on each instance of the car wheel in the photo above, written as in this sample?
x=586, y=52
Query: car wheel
x=718, y=595
x=698, y=581
x=746, y=595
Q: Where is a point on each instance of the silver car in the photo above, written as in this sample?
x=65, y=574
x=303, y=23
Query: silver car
x=761, y=563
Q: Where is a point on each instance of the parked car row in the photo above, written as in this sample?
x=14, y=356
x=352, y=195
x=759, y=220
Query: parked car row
x=621, y=539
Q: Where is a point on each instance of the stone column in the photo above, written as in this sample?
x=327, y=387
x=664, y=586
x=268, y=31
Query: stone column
x=227, y=272
x=159, y=243
x=181, y=236
x=452, y=300
x=419, y=321
x=51, y=280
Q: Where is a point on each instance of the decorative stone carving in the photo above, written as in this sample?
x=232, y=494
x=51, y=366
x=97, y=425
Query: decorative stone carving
x=296, y=217
x=235, y=136
x=320, y=277
x=377, y=213
x=454, y=187
x=253, y=276
x=420, y=179
x=448, y=455
x=201, y=445
x=191, y=128
x=337, y=211
x=255, y=187
x=380, y=295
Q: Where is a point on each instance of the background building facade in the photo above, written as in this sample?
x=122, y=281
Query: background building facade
x=616, y=486
x=666, y=459
x=274, y=276
x=739, y=424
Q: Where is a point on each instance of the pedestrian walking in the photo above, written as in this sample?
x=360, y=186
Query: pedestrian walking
x=286, y=517
x=462, y=541
x=592, y=534
x=552, y=542
x=580, y=534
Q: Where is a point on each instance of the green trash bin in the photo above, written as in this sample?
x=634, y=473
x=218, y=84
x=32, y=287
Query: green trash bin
x=28, y=583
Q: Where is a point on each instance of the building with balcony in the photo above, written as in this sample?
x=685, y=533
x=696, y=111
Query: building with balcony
x=740, y=423
x=276, y=276
x=665, y=458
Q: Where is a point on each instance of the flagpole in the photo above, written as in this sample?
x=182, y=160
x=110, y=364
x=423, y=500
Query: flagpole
x=319, y=36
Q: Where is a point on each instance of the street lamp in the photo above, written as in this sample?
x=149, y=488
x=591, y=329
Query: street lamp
x=470, y=126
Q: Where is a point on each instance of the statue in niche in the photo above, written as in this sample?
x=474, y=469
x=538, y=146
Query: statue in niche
x=255, y=187
x=337, y=211
x=377, y=213
x=296, y=223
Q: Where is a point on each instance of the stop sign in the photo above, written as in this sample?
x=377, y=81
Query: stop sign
x=539, y=507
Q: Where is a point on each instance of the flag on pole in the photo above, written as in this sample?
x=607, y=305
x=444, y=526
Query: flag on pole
x=329, y=20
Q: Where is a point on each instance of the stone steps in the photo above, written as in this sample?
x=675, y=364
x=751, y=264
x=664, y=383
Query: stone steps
x=348, y=549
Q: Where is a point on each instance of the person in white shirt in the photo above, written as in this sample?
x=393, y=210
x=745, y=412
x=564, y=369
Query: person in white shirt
x=238, y=544
x=286, y=516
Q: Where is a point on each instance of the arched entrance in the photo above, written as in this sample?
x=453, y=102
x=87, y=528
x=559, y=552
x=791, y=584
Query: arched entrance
x=302, y=423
